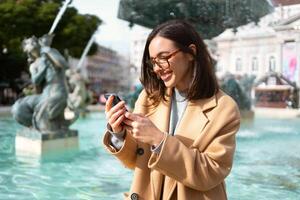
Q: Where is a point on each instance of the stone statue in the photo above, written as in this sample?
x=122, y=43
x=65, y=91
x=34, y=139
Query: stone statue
x=247, y=82
x=44, y=110
x=79, y=96
x=233, y=88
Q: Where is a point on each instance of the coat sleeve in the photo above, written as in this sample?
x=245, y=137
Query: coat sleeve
x=201, y=170
x=127, y=153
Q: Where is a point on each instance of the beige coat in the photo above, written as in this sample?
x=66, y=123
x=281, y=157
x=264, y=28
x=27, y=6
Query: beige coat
x=193, y=164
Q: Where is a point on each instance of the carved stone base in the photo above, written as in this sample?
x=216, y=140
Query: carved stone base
x=31, y=141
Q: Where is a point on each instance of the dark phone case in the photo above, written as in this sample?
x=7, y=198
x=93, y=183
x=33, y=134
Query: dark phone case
x=116, y=98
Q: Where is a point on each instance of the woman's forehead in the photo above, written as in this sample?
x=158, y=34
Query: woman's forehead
x=160, y=44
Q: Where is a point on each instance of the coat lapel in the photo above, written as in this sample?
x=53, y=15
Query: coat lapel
x=161, y=116
x=194, y=120
x=191, y=124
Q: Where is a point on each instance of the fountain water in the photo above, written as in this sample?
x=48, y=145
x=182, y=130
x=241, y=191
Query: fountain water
x=59, y=15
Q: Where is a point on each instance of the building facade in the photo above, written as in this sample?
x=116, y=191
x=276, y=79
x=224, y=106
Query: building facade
x=271, y=45
x=137, y=45
x=106, y=71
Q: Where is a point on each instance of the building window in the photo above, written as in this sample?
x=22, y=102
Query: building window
x=254, y=64
x=238, y=65
x=272, y=64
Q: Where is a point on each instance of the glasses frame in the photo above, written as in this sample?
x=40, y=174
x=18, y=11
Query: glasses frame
x=165, y=59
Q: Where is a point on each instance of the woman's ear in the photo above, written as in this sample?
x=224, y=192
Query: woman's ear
x=194, y=50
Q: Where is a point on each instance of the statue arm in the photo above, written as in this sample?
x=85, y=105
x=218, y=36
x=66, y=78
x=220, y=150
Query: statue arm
x=55, y=58
x=38, y=70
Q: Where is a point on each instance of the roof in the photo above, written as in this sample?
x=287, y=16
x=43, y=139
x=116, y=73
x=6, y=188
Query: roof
x=284, y=2
x=289, y=20
x=273, y=87
x=278, y=80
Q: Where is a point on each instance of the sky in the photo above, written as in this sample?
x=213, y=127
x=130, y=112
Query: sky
x=113, y=32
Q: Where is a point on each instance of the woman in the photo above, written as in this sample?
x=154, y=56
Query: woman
x=180, y=139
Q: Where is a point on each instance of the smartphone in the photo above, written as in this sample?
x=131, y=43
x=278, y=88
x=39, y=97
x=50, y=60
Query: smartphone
x=116, y=100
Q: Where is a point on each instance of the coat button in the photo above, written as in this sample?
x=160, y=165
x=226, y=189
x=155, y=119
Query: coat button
x=134, y=196
x=140, y=151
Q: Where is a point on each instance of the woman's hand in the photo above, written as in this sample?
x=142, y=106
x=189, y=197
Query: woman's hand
x=115, y=115
x=143, y=129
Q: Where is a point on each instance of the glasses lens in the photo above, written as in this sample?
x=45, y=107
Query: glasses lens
x=161, y=62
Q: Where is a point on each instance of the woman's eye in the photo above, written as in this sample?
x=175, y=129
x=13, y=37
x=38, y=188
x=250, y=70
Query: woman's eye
x=162, y=58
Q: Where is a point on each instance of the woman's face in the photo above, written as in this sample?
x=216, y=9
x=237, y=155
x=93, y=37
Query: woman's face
x=178, y=73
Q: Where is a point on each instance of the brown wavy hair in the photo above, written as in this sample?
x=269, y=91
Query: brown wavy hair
x=183, y=34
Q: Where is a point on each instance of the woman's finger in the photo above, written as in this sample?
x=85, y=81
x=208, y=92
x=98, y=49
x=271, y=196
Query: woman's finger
x=118, y=122
x=108, y=104
x=132, y=116
x=114, y=109
x=128, y=122
x=117, y=107
x=115, y=116
x=129, y=128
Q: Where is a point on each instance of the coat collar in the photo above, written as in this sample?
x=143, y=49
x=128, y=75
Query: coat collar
x=205, y=104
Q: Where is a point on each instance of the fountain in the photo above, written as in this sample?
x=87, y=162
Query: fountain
x=79, y=95
x=42, y=113
x=238, y=91
x=260, y=171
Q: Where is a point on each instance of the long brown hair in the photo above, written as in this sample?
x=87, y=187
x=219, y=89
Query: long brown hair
x=183, y=34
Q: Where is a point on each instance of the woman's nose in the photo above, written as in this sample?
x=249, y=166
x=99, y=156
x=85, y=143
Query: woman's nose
x=156, y=68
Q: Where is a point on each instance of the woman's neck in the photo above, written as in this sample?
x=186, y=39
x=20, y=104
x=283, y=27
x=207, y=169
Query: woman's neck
x=182, y=90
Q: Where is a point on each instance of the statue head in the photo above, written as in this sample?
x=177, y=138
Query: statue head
x=31, y=46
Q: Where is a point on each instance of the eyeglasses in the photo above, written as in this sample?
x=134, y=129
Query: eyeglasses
x=162, y=61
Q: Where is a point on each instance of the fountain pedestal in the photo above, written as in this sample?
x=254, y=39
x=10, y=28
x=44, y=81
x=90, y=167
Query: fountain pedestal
x=31, y=141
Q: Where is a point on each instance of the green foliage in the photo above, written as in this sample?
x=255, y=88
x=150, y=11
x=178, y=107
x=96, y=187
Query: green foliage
x=74, y=30
x=210, y=17
x=20, y=19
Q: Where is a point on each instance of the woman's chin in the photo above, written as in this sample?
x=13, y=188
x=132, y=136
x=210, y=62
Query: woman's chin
x=169, y=84
x=169, y=81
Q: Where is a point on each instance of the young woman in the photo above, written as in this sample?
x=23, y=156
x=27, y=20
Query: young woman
x=180, y=138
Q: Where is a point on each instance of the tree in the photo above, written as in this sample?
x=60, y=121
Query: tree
x=23, y=18
x=210, y=17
